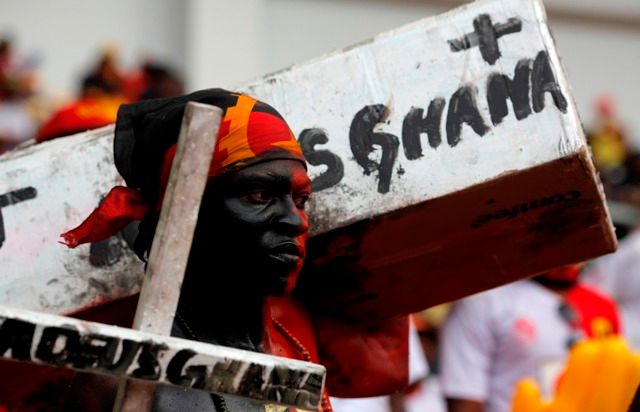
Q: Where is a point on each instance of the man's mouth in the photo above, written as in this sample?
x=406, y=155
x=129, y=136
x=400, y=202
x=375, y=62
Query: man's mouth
x=288, y=253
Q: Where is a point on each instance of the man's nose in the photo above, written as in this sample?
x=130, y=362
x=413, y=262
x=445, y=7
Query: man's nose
x=291, y=219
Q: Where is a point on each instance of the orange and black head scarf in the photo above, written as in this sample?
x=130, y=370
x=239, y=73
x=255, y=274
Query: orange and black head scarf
x=145, y=144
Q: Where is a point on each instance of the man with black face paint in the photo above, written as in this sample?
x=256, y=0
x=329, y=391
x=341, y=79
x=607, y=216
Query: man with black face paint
x=255, y=221
x=247, y=252
x=249, y=243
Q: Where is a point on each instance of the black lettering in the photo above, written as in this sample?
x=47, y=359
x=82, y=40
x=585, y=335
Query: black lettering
x=18, y=196
x=223, y=375
x=571, y=195
x=414, y=125
x=148, y=366
x=463, y=108
x=544, y=81
x=362, y=139
x=548, y=201
x=127, y=355
x=500, y=87
x=193, y=377
x=50, y=337
x=482, y=220
x=526, y=207
x=93, y=350
x=514, y=212
x=308, y=139
x=556, y=199
x=487, y=39
x=283, y=378
x=252, y=380
x=313, y=384
x=485, y=35
x=16, y=335
x=500, y=214
x=544, y=202
x=12, y=198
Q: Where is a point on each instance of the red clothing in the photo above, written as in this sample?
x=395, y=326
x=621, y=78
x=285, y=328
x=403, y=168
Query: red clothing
x=598, y=314
x=360, y=361
x=84, y=114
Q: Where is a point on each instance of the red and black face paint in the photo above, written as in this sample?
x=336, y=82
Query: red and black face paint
x=145, y=140
x=254, y=222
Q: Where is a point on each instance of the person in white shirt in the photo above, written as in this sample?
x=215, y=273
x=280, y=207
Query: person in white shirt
x=492, y=339
x=525, y=329
x=618, y=274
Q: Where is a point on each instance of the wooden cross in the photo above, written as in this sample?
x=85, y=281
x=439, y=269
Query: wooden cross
x=148, y=356
x=427, y=222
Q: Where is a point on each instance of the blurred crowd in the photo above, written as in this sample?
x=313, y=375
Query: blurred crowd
x=27, y=114
x=469, y=355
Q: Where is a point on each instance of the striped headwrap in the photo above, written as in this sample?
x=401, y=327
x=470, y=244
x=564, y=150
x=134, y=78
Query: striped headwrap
x=145, y=144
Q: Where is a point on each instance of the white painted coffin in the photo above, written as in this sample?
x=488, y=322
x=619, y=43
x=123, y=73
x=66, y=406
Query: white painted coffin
x=475, y=208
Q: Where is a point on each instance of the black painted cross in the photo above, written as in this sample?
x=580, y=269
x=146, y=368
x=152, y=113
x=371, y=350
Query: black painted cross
x=485, y=35
x=12, y=198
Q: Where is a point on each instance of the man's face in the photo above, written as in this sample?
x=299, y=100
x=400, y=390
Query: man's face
x=262, y=207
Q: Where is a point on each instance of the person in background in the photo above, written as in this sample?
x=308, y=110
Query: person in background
x=608, y=141
x=152, y=80
x=425, y=394
x=108, y=70
x=17, y=83
x=96, y=106
x=613, y=154
x=493, y=339
x=103, y=90
x=618, y=274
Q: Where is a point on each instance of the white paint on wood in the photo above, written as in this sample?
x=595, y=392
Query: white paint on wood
x=402, y=69
x=172, y=241
x=71, y=343
x=70, y=176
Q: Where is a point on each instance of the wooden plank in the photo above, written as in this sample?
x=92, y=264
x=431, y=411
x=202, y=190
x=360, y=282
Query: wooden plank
x=374, y=103
x=172, y=241
x=66, y=179
x=374, y=153
x=97, y=348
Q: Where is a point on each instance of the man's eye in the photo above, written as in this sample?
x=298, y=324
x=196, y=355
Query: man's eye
x=301, y=201
x=259, y=196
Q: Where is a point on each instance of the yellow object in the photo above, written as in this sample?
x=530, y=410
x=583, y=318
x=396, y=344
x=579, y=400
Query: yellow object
x=602, y=375
x=580, y=377
x=601, y=327
x=608, y=146
x=527, y=397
